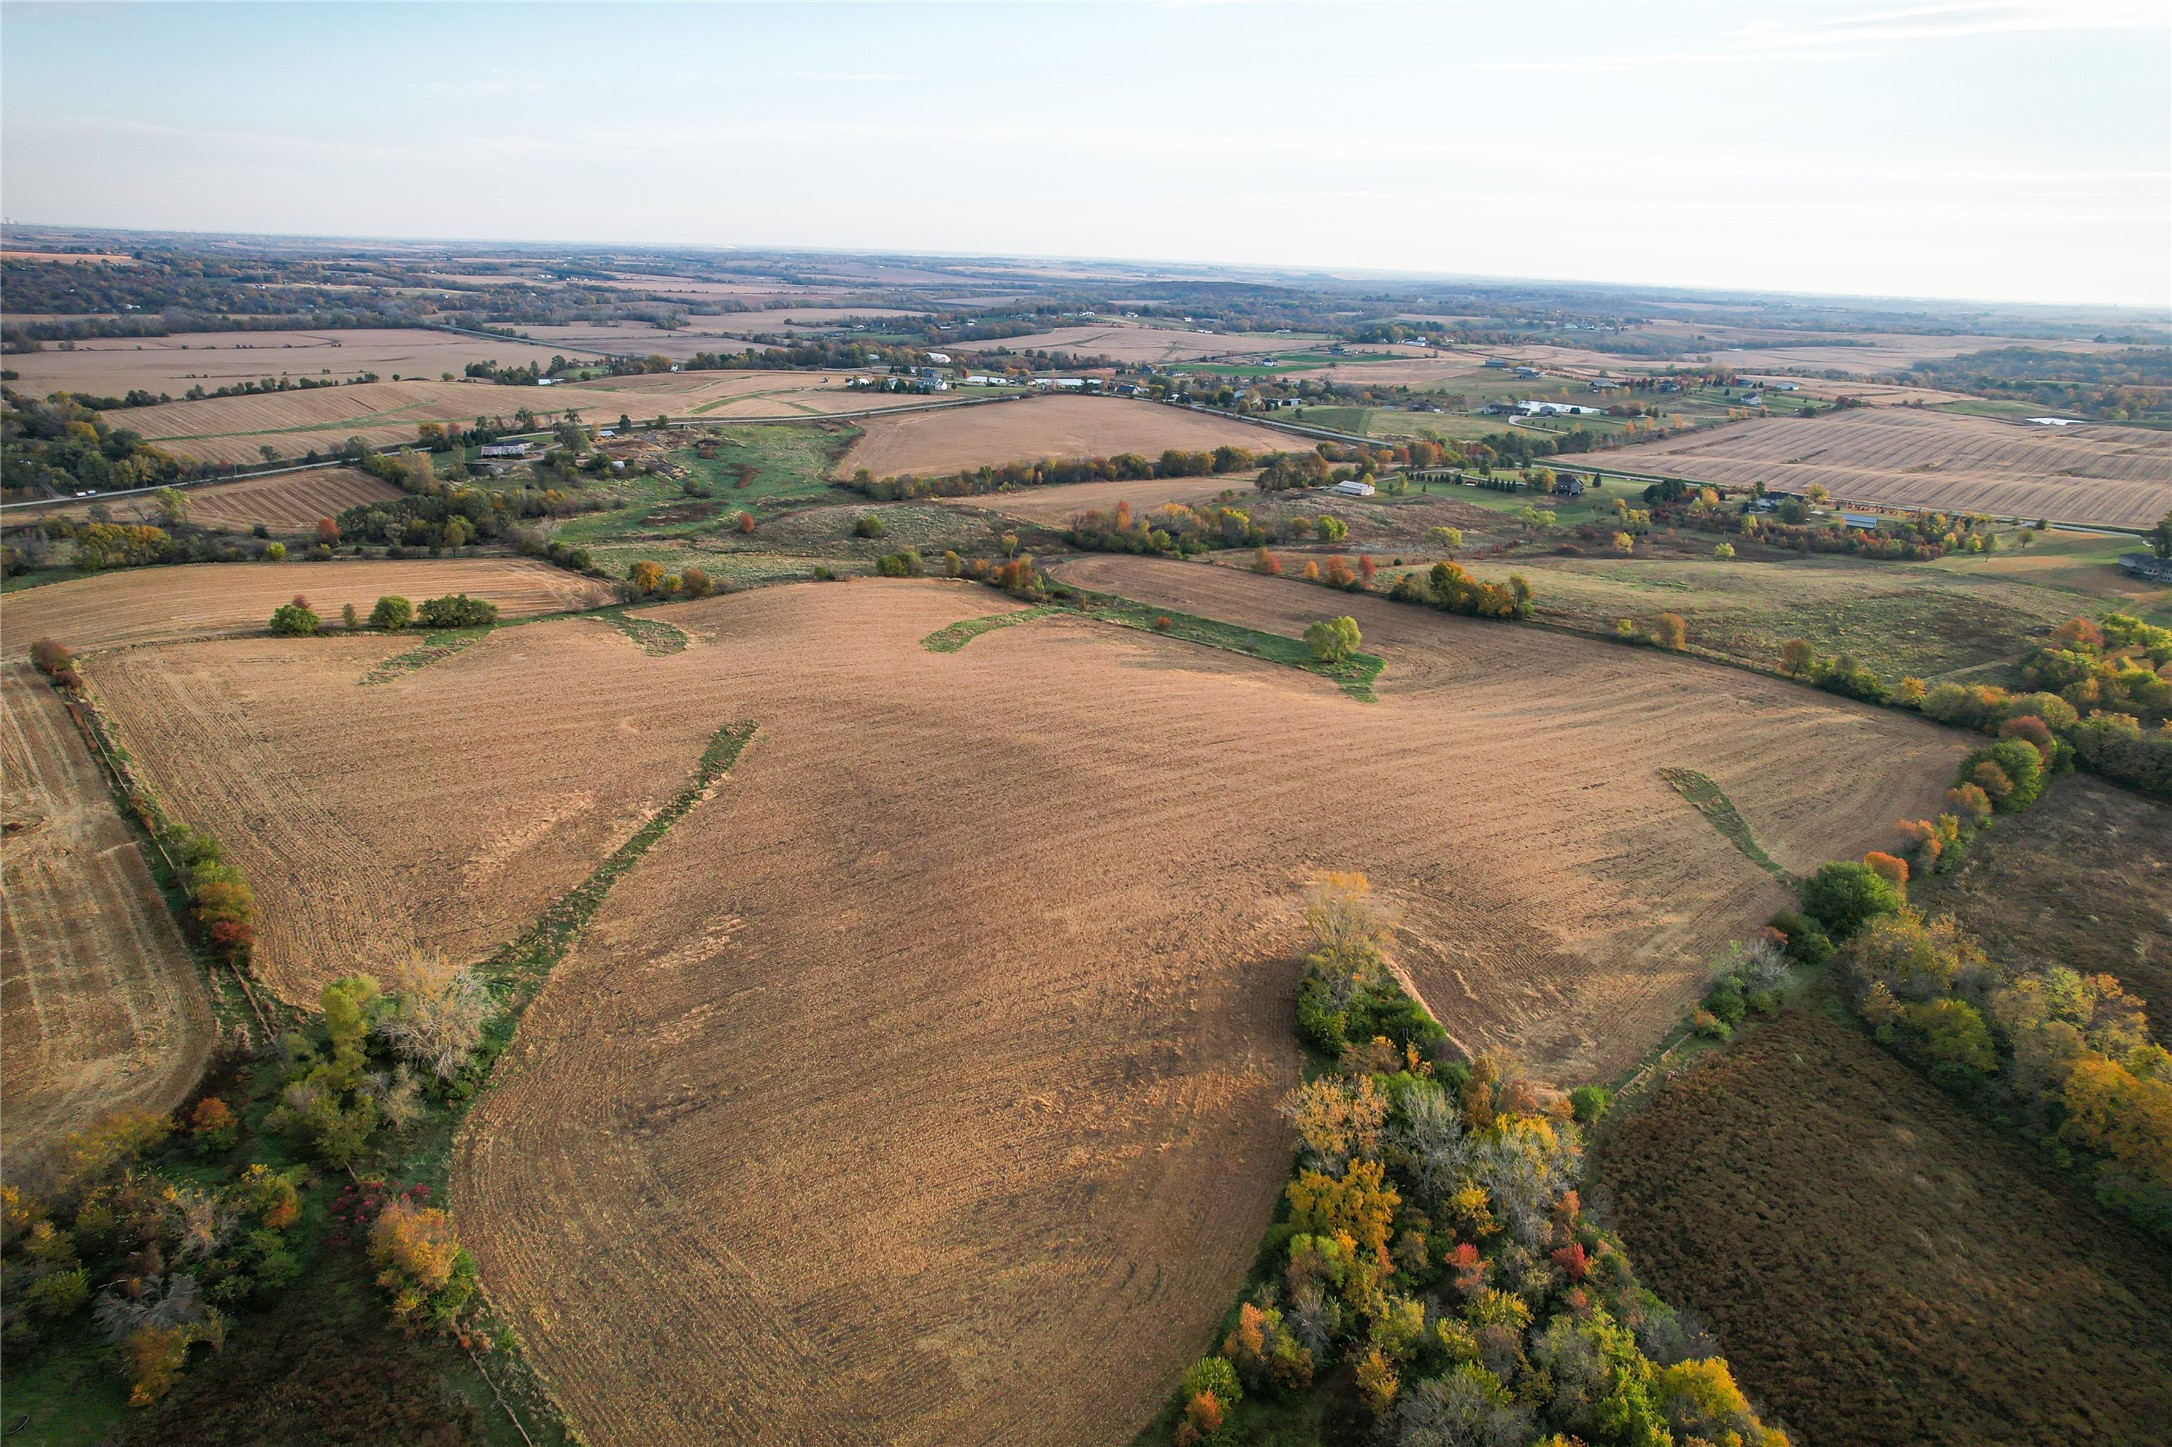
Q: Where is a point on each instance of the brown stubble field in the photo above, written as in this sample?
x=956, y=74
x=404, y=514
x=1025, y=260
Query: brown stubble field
x=2098, y=474
x=385, y=414
x=946, y=441
x=100, y=1004
x=920, y=1078
x=113, y=366
x=284, y=502
x=163, y=605
x=1130, y=342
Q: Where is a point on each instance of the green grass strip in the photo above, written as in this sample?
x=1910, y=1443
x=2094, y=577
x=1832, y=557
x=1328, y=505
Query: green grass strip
x=521, y=967
x=1354, y=675
x=434, y=648
x=957, y=635
x=657, y=638
x=1708, y=799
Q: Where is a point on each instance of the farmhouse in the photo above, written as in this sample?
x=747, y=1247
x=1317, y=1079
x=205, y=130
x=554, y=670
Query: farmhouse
x=1353, y=487
x=1566, y=486
x=1529, y=372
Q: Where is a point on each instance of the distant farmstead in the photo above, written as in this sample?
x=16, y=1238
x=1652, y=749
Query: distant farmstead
x=1353, y=487
x=505, y=449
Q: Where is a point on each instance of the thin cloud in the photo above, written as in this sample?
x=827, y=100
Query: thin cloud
x=1943, y=22
x=849, y=77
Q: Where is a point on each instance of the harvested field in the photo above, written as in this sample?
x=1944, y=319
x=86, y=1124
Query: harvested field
x=1027, y=431
x=384, y=414
x=285, y=503
x=2082, y=879
x=1124, y=342
x=113, y=366
x=1870, y=354
x=838, y=1097
x=206, y=600
x=253, y=739
x=102, y=1008
x=2098, y=474
x=1881, y=1266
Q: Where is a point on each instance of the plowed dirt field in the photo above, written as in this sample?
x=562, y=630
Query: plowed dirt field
x=929, y=443
x=159, y=605
x=101, y=1007
x=285, y=502
x=2098, y=474
x=917, y=1086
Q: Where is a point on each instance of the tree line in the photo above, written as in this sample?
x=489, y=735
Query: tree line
x=1431, y=1254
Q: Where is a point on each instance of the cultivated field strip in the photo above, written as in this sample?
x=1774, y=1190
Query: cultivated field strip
x=947, y=441
x=384, y=414
x=102, y=1008
x=473, y=804
x=1557, y=744
x=2100, y=474
x=285, y=503
x=916, y=1087
x=208, y=600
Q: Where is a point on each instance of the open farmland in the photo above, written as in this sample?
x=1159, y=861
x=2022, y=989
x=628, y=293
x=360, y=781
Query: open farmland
x=950, y=440
x=113, y=366
x=328, y=831
x=1130, y=342
x=383, y=414
x=102, y=1008
x=205, y=600
x=2104, y=475
x=1887, y=1268
x=284, y=502
x=843, y=987
x=1896, y=619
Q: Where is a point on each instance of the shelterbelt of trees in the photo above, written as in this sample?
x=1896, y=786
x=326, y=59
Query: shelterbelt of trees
x=1431, y=1254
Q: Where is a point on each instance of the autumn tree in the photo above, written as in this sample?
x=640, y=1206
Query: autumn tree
x=1842, y=896
x=1333, y=640
x=435, y=1014
x=428, y=1274
x=1669, y=631
x=294, y=620
x=1890, y=868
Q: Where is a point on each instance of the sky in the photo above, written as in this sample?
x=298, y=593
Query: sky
x=2013, y=152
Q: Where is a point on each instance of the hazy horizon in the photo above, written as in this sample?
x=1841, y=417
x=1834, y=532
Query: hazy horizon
x=2002, y=153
